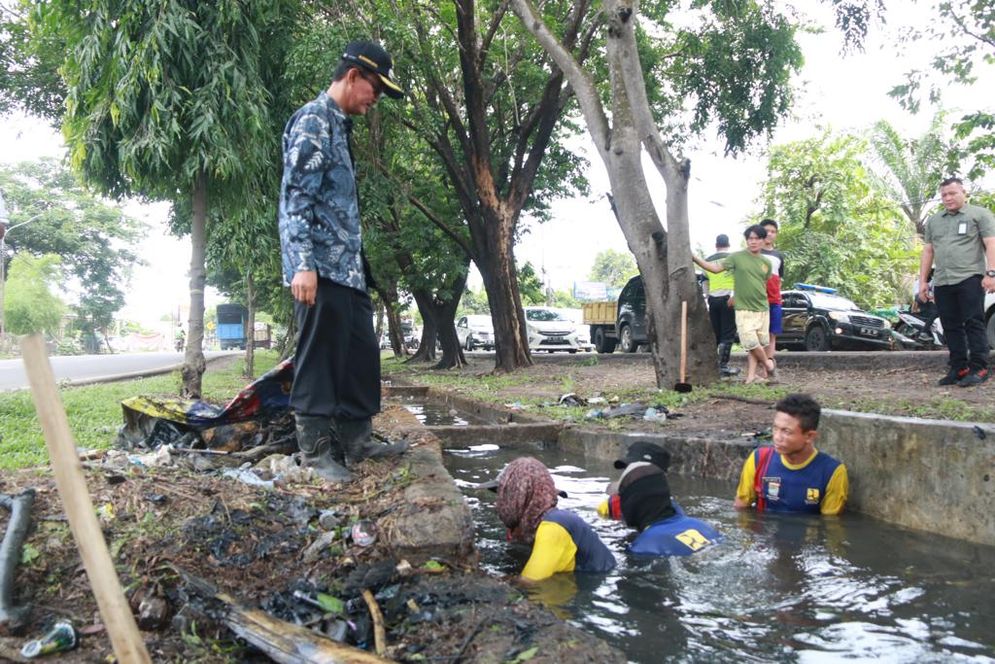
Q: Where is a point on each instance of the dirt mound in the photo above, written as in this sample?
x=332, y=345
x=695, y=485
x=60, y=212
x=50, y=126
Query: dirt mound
x=302, y=552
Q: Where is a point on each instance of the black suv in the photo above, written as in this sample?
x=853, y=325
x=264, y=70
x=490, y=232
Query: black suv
x=631, y=322
x=816, y=318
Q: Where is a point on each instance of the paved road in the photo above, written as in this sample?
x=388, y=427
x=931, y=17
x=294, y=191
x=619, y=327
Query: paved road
x=95, y=368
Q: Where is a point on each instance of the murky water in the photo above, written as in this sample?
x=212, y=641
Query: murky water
x=780, y=588
x=432, y=415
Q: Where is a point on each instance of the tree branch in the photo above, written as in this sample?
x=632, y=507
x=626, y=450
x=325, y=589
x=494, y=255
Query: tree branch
x=580, y=80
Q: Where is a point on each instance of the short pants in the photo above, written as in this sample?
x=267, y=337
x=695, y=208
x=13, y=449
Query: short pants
x=753, y=327
x=776, y=318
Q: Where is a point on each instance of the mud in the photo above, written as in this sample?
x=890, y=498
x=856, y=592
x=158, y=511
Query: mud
x=260, y=546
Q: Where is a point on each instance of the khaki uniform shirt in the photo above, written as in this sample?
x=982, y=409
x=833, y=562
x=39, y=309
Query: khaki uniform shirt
x=958, y=249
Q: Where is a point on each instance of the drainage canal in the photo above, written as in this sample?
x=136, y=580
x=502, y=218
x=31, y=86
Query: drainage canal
x=777, y=589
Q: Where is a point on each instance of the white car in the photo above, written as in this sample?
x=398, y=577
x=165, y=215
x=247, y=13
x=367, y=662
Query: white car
x=475, y=331
x=576, y=316
x=550, y=330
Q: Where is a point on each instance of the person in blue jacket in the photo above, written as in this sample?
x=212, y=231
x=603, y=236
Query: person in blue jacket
x=641, y=498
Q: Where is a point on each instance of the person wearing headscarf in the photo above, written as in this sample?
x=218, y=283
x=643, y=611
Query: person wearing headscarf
x=561, y=541
x=641, y=498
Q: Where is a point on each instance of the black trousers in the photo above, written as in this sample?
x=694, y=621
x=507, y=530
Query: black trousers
x=961, y=308
x=723, y=318
x=337, y=364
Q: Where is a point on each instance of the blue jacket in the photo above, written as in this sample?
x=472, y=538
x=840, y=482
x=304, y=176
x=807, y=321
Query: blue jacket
x=319, y=207
x=680, y=535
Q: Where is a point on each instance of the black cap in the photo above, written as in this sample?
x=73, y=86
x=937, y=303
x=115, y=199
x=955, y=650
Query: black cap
x=372, y=57
x=647, y=452
x=722, y=240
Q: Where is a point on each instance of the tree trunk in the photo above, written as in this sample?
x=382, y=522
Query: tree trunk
x=429, y=330
x=250, y=326
x=389, y=299
x=444, y=310
x=665, y=267
x=495, y=259
x=193, y=361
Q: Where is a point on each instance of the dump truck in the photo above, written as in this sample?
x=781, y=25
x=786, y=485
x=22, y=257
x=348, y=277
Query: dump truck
x=231, y=326
x=620, y=323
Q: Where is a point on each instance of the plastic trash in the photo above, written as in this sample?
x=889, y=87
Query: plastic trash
x=654, y=415
x=60, y=638
x=248, y=477
x=363, y=533
x=572, y=399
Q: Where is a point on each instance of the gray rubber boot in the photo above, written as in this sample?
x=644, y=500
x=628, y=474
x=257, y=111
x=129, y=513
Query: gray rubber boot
x=725, y=351
x=357, y=441
x=315, y=440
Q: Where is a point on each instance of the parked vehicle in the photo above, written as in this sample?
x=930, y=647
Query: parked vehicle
x=262, y=337
x=911, y=334
x=550, y=330
x=576, y=316
x=231, y=326
x=816, y=318
x=410, y=334
x=475, y=331
x=622, y=323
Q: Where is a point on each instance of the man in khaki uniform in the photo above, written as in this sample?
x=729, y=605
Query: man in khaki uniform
x=960, y=243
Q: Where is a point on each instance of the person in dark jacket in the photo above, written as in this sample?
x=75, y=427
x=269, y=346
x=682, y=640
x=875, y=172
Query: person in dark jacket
x=336, y=389
x=641, y=498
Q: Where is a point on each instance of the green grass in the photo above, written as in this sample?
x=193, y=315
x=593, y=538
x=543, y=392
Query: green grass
x=94, y=411
x=486, y=388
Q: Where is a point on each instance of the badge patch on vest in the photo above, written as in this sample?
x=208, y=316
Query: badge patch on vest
x=812, y=497
x=692, y=539
x=773, y=487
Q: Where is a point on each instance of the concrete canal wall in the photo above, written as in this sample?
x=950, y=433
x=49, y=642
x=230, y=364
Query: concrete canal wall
x=931, y=475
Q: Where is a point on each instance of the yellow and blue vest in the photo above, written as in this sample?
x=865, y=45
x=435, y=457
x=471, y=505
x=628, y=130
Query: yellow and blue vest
x=564, y=542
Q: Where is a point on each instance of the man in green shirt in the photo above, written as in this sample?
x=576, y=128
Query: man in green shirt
x=960, y=244
x=750, y=270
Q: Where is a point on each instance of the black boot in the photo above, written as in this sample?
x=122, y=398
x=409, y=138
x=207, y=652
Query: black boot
x=725, y=350
x=315, y=440
x=357, y=441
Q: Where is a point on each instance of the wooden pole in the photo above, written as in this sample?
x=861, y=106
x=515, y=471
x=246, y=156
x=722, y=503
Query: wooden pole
x=125, y=637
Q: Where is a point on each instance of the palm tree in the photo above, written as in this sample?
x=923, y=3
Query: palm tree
x=909, y=171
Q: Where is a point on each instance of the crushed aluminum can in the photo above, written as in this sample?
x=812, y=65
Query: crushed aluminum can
x=363, y=533
x=60, y=638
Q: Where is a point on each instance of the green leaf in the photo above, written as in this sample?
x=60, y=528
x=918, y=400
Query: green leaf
x=434, y=566
x=525, y=655
x=29, y=554
x=331, y=604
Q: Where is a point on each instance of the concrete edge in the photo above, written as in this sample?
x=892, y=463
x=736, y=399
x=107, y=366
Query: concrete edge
x=931, y=475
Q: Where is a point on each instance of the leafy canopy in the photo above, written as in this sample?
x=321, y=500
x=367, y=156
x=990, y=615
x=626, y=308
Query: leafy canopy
x=94, y=239
x=613, y=267
x=837, y=228
x=160, y=92
x=30, y=303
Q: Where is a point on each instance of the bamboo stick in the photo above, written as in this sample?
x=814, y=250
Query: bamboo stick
x=125, y=637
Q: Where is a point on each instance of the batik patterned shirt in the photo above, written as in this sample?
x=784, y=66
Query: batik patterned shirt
x=319, y=208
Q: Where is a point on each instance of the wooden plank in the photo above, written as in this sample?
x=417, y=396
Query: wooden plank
x=125, y=637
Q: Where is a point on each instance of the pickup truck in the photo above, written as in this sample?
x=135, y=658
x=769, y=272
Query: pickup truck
x=621, y=323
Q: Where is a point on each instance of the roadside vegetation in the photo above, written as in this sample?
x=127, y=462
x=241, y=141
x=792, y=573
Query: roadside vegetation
x=94, y=411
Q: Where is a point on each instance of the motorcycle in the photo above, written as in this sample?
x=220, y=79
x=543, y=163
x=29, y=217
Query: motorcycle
x=911, y=332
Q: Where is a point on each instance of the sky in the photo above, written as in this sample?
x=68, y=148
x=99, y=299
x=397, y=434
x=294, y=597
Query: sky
x=841, y=92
